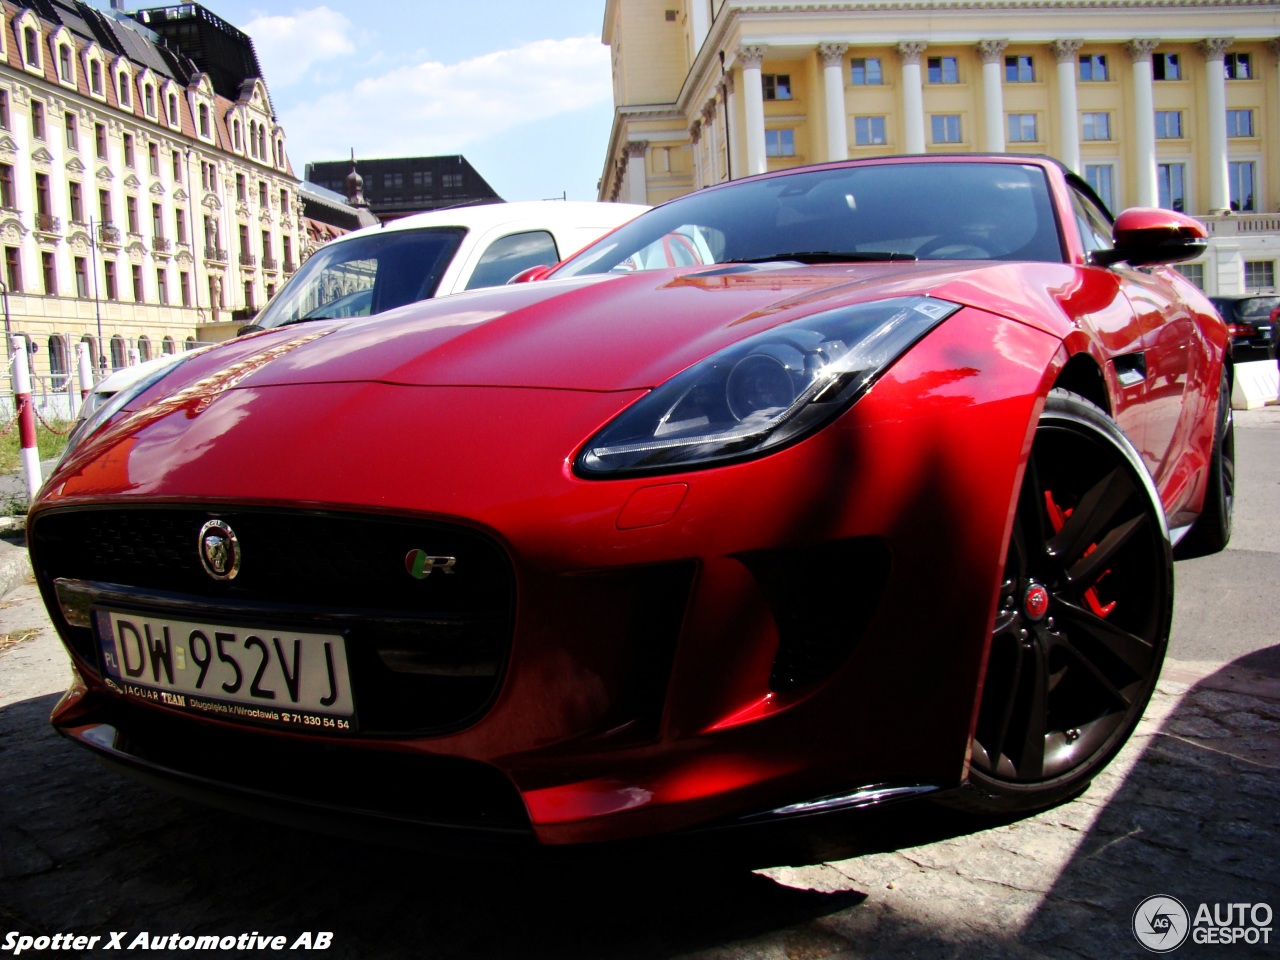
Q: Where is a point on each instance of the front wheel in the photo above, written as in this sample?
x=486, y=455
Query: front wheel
x=1083, y=621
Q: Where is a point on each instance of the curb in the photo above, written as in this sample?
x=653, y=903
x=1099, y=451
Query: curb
x=15, y=567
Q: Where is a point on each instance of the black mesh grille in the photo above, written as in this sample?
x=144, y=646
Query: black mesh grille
x=822, y=598
x=425, y=654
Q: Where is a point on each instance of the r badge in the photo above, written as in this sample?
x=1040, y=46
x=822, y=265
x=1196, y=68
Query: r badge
x=420, y=565
x=219, y=550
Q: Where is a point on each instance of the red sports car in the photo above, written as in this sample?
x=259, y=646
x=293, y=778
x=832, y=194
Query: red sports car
x=816, y=490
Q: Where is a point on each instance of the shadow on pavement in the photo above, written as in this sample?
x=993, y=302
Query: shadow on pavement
x=86, y=850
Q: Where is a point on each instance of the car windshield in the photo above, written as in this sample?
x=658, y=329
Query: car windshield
x=365, y=275
x=893, y=211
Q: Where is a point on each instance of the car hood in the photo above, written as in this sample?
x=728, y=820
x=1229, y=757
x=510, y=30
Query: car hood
x=603, y=333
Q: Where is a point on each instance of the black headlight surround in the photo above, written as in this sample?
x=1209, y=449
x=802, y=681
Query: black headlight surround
x=833, y=358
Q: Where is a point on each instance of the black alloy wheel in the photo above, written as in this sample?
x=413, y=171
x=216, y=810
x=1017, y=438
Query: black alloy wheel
x=1211, y=531
x=1083, y=619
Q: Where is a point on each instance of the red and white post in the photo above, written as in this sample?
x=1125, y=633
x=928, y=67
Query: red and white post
x=84, y=368
x=26, y=413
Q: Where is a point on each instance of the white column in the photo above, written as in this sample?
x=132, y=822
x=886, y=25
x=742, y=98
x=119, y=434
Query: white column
x=695, y=139
x=1215, y=79
x=1144, y=122
x=833, y=87
x=637, y=184
x=912, y=95
x=1065, y=52
x=992, y=53
x=750, y=59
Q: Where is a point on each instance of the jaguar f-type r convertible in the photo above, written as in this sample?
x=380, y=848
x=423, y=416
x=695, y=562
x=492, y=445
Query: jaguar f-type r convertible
x=817, y=490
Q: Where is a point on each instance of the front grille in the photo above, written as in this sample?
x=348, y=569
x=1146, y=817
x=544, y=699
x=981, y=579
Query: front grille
x=425, y=654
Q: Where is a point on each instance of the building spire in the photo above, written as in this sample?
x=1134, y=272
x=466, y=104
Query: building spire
x=355, y=185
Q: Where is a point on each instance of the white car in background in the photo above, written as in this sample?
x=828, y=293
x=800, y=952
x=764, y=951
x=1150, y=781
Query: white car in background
x=425, y=255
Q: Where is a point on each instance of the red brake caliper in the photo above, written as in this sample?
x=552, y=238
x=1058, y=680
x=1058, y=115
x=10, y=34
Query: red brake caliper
x=1058, y=517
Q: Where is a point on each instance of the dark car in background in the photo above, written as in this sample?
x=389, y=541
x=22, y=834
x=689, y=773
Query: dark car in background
x=1249, y=318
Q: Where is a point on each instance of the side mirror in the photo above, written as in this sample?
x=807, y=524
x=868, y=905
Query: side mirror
x=529, y=274
x=1147, y=235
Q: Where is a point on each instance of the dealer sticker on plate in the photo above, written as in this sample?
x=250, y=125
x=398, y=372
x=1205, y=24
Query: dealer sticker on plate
x=265, y=675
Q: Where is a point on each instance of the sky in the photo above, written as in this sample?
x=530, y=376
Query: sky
x=521, y=88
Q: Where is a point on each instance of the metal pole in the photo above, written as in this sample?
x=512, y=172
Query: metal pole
x=97, y=307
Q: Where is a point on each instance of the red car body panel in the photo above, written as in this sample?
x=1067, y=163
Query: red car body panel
x=471, y=410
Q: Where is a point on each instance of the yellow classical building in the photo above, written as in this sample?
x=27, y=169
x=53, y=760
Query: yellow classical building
x=1171, y=103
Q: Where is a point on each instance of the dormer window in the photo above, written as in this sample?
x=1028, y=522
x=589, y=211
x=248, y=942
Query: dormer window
x=95, y=77
x=149, y=100
x=31, y=46
x=174, y=116
x=64, y=63
x=235, y=135
x=123, y=82
x=203, y=114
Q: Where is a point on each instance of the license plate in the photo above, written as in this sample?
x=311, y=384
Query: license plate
x=266, y=675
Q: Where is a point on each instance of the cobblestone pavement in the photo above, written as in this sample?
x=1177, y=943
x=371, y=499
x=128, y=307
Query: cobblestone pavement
x=1189, y=809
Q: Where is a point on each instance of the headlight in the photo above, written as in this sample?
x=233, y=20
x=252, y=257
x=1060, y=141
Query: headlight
x=96, y=416
x=767, y=391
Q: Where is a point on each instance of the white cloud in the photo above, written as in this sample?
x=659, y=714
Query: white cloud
x=289, y=46
x=435, y=108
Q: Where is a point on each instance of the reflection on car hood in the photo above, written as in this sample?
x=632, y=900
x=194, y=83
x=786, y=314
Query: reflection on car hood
x=592, y=333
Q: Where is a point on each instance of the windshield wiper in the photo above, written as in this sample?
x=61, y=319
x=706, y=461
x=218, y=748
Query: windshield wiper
x=829, y=256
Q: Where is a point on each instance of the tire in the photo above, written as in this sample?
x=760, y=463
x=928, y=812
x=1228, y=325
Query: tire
x=1086, y=602
x=1211, y=531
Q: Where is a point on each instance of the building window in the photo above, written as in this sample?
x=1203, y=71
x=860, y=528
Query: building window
x=168, y=347
x=1238, y=66
x=31, y=46
x=203, y=114
x=75, y=202
x=127, y=144
x=1192, y=271
x=1239, y=123
x=136, y=270
x=262, y=195
x=189, y=343
x=1241, y=175
x=288, y=252
x=946, y=127
x=866, y=72
x=100, y=140
x=1022, y=128
x=131, y=214
x=779, y=143
x=869, y=131
x=777, y=86
x=37, y=119
x=95, y=77
x=284, y=201
x=149, y=100
x=153, y=158
x=180, y=225
x=248, y=295
x=173, y=109
x=73, y=131
x=184, y=289
x=177, y=166
x=1168, y=124
x=122, y=86
x=6, y=186
x=157, y=221
x=48, y=272
x=1259, y=275
x=104, y=206
x=109, y=279
x=944, y=70
x=1165, y=66
x=64, y=63
x=13, y=269
x=1096, y=126
x=1019, y=69
x=118, y=359
x=1101, y=176
x=81, y=266
x=4, y=110
x=1171, y=180
x=58, y=361
x=241, y=188
x=44, y=209
x=162, y=286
